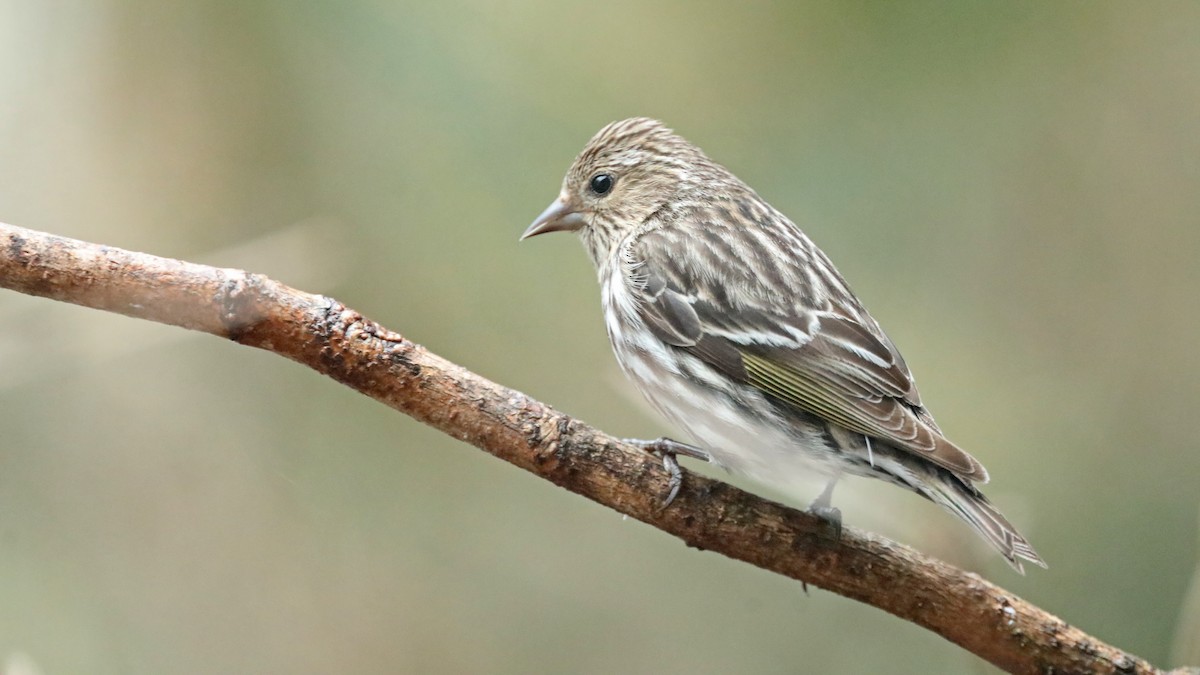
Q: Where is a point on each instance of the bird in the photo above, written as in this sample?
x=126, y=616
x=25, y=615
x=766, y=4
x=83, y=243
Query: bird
x=738, y=329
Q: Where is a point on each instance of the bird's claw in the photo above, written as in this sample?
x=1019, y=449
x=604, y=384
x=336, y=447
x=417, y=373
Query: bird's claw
x=831, y=515
x=668, y=450
x=675, y=477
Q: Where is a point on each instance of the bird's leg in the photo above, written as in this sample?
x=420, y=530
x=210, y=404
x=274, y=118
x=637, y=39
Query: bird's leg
x=667, y=450
x=823, y=508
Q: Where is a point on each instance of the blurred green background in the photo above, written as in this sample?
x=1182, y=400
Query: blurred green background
x=1012, y=188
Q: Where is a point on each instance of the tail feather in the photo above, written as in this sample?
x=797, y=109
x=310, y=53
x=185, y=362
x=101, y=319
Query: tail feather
x=963, y=500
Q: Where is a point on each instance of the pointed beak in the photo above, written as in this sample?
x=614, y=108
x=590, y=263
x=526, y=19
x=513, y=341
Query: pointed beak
x=558, y=217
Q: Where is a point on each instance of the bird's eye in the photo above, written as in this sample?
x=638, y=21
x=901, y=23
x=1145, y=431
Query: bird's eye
x=601, y=184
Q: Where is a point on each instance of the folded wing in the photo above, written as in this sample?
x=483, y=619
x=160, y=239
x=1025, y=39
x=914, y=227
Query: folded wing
x=840, y=368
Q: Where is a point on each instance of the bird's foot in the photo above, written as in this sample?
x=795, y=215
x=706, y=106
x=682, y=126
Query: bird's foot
x=667, y=450
x=822, y=507
x=831, y=515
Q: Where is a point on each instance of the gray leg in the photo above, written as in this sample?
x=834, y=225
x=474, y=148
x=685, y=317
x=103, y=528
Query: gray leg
x=667, y=449
x=823, y=508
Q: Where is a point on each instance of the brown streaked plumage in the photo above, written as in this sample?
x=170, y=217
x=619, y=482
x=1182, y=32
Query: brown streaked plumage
x=740, y=330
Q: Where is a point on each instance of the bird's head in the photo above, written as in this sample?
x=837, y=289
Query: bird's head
x=629, y=172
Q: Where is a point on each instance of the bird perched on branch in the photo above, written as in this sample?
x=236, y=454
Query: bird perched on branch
x=740, y=330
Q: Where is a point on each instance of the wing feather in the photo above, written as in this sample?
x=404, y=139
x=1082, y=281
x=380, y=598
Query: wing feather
x=840, y=368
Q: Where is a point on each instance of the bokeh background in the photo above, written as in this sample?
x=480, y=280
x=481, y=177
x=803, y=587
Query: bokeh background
x=1012, y=188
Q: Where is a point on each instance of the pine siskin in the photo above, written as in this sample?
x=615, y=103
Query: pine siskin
x=740, y=330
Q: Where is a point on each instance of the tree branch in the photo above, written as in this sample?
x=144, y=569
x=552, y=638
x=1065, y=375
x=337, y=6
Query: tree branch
x=334, y=340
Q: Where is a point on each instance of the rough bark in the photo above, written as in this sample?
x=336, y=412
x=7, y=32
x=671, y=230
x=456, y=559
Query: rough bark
x=334, y=340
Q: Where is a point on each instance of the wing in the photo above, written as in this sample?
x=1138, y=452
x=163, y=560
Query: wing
x=836, y=365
